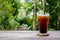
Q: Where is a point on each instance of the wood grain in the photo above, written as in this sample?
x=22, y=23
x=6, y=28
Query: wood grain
x=28, y=35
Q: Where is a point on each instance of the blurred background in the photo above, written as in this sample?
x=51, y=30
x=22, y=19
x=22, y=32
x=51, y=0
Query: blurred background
x=18, y=14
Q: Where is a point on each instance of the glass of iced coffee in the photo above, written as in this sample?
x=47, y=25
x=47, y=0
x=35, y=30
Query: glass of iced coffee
x=43, y=20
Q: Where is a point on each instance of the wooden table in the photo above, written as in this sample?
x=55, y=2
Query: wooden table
x=28, y=35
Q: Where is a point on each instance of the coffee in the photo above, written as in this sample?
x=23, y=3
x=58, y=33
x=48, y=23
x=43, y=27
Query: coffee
x=43, y=23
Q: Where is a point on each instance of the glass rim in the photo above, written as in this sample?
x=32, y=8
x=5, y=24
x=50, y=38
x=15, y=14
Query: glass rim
x=46, y=14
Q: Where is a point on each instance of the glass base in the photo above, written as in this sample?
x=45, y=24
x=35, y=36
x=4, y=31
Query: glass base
x=43, y=34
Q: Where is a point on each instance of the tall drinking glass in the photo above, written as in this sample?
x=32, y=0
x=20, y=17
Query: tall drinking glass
x=43, y=20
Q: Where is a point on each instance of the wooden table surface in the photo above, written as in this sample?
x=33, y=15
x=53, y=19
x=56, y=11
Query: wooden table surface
x=28, y=35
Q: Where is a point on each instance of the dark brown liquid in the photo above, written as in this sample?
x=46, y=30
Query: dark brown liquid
x=43, y=23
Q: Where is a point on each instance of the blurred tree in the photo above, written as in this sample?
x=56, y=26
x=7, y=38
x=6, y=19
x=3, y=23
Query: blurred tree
x=26, y=9
x=34, y=14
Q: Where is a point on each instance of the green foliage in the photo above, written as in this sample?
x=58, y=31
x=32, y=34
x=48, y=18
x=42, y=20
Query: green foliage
x=28, y=6
x=53, y=7
x=28, y=21
x=7, y=11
